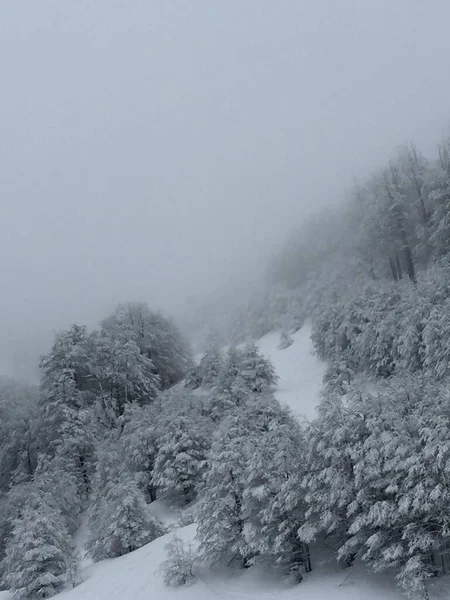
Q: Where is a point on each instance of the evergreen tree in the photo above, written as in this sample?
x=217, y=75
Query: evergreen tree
x=273, y=508
x=122, y=373
x=181, y=460
x=40, y=558
x=257, y=371
x=158, y=339
x=66, y=426
x=329, y=484
x=18, y=433
x=220, y=518
x=211, y=362
x=123, y=521
x=232, y=389
x=139, y=441
x=120, y=521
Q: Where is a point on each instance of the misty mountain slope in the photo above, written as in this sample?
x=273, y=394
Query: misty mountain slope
x=299, y=370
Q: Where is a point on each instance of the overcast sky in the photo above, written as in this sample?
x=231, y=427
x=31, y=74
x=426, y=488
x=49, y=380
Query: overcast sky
x=152, y=149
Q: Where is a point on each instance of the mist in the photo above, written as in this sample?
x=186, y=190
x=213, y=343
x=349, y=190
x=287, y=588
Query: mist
x=161, y=150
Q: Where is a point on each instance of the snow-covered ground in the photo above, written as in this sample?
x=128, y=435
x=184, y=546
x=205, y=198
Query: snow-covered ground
x=299, y=370
x=135, y=576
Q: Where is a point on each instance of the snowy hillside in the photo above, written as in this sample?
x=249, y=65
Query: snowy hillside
x=135, y=576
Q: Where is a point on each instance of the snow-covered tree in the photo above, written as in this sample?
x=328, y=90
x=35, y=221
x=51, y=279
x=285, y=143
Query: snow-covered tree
x=66, y=423
x=122, y=374
x=225, y=511
x=158, y=338
x=40, y=558
x=257, y=371
x=211, y=362
x=273, y=506
x=139, y=441
x=181, y=460
x=179, y=567
x=220, y=519
x=58, y=486
x=18, y=432
x=328, y=484
x=120, y=521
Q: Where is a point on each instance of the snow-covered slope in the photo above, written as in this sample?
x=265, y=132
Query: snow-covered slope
x=299, y=370
x=136, y=577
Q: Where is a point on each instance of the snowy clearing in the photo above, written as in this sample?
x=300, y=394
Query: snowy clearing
x=299, y=370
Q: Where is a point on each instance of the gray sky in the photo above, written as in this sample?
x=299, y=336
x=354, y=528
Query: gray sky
x=152, y=149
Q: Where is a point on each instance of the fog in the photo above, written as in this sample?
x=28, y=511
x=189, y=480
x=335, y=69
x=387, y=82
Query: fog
x=158, y=150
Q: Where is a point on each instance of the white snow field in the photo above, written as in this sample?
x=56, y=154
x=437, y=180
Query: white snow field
x=136, y=577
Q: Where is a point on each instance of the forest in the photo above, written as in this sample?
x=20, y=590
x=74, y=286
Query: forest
x=125, y=415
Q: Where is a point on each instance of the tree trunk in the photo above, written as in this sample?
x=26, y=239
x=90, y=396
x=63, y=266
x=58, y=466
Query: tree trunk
x=308, y=564
x=393, y=269
x=399, y=267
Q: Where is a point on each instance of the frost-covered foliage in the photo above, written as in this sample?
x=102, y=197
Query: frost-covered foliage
x=244, y=372
x=181, y=460
x=88, y=440
x=18, y=431
x=220, y=520
x=158, y=338
x=256, y=371
x=40, y=558
x=249, y=507
x=120, y=520
x=388, y=329
x=273, y=506
x=376, y=475
x=211, y=362
x=66, y=419
x=123, y=521
x=179, y=568
x=122, y=373
x=139, y=446
x=374, y=278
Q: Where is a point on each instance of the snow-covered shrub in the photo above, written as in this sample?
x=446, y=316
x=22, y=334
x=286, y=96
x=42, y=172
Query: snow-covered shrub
x=179, y=568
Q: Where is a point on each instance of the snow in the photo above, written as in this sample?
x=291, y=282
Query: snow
x=135, y=576
x=299, y=370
